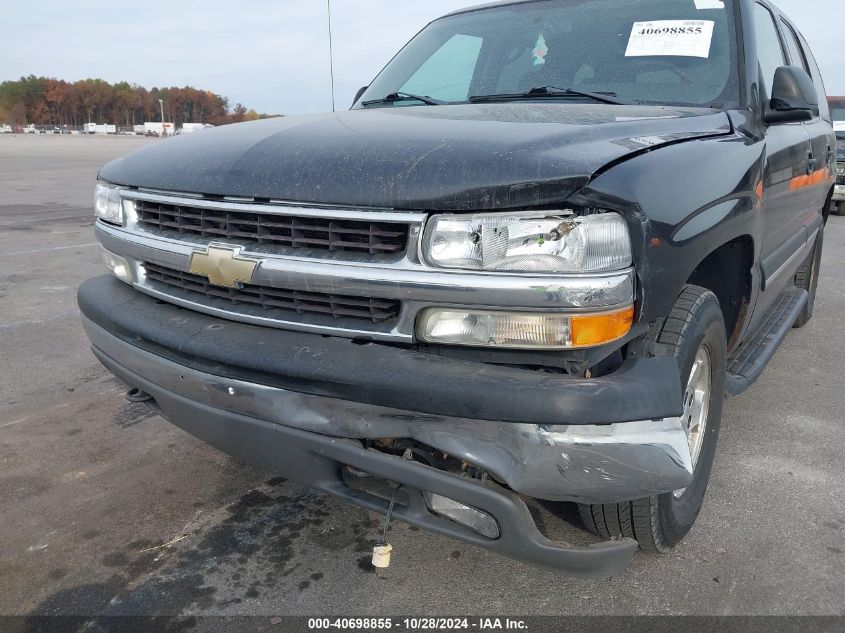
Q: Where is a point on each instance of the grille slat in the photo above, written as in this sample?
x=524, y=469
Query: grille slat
x=275, y=300
x=275, y=229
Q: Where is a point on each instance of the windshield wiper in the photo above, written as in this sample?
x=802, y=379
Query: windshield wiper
x=552, y=92
x=395, y=97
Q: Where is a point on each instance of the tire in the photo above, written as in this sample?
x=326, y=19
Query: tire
x=807, y=278
x=659, y=523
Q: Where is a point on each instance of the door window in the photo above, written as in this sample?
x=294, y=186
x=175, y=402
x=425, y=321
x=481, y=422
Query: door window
x=769, y=47
x=795, y=52
x=824, y=110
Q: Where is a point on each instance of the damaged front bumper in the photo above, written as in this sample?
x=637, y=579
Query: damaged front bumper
x=310, y=437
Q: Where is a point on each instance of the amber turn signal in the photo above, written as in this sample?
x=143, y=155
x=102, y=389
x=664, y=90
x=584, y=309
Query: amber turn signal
x=596, y=329
x=522, y=330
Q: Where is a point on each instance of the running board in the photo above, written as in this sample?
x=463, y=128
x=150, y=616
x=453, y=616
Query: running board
x=747, y=362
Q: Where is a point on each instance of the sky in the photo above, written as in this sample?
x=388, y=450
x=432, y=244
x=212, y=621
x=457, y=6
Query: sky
x=268, y=55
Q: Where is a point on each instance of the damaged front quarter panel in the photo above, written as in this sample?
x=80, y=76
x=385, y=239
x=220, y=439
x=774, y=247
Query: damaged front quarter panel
x=681, y=206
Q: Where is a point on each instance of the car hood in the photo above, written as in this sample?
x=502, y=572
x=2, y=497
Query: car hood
x=449, y=158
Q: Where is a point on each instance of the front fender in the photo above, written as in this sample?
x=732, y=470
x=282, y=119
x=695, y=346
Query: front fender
x=682, y=202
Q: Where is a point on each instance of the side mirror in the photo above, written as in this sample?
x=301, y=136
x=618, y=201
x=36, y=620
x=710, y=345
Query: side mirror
x=794, y=97
x=358, y=94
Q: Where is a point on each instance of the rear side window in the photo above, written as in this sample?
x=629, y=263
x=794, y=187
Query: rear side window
x=794, y=46
x=769, y=47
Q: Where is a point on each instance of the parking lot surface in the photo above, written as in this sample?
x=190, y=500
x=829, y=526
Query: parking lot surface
x=105, y=508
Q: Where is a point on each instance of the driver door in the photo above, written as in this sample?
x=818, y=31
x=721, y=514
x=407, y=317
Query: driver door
x=786, y=175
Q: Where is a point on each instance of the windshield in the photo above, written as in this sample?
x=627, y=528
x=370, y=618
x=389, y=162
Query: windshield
x=651, y=51
x=837, y=111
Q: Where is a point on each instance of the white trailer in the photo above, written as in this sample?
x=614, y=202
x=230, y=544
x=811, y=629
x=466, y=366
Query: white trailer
x=157, y=127
x=188, y=128
x=97, y=128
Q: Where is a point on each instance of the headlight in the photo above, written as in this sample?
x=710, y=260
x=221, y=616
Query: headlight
x=522, y=330
x=529, y=242
x=108, y=204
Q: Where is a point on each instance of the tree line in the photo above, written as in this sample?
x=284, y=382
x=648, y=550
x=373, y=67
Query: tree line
x=48, y=101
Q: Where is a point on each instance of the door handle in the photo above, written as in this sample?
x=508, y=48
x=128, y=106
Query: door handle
x=811, y=163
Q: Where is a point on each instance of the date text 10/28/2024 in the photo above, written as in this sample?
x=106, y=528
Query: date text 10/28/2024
x=416, y=624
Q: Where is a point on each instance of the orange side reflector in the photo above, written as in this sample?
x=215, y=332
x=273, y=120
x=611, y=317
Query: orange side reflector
x=596, y=329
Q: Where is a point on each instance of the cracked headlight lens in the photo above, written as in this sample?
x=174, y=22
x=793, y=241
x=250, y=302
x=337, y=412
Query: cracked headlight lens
x=529, y=242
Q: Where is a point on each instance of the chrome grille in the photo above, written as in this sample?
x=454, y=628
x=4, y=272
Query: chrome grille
x=277, y=302
x=274, y=229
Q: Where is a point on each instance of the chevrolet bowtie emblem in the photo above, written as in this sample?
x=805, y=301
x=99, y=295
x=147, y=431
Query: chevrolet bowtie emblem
x=224, y=265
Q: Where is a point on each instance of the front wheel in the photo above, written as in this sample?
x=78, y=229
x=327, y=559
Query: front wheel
x=695, y=330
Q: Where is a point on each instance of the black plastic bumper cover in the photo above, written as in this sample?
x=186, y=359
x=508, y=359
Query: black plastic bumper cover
x=317, y=460
x=382, y=375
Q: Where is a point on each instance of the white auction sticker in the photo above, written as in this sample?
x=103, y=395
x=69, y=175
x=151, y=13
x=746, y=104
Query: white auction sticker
x=671, y=38
x=709, y=4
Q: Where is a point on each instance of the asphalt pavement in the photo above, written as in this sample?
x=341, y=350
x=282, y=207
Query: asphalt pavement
x=105, y=508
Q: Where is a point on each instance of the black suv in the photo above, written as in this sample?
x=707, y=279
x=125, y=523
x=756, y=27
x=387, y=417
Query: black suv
x=527, y=263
